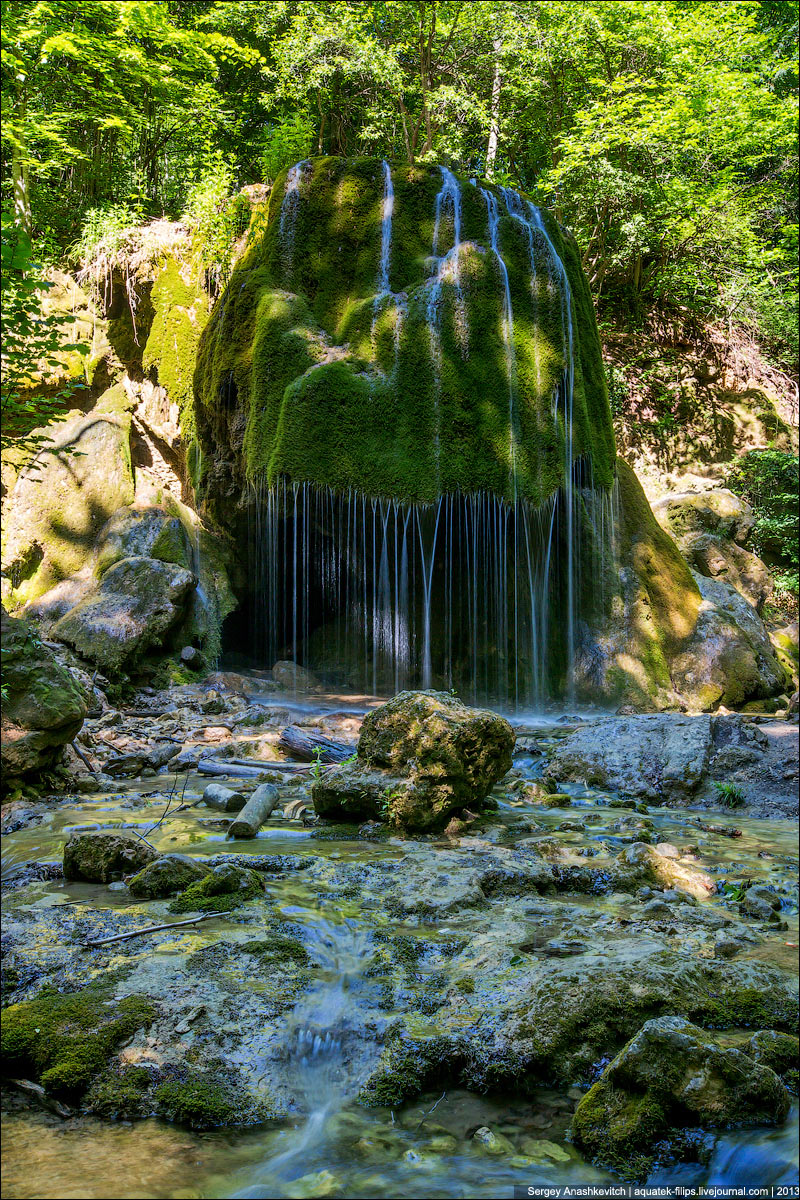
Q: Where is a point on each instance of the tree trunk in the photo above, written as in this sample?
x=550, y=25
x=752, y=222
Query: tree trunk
x=20, y=170
x=494, y=120
x=310, y=746
x=255, y=812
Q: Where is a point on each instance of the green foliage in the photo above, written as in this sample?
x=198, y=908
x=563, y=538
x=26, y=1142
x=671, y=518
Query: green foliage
x=286, y=142
x=730, y=794
x=768, y=480
x=217, y=217
x=32, y=342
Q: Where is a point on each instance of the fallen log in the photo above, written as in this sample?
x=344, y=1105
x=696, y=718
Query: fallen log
x=270, y=764
x=313, y=747
x=120, y=937
x=37, y=1093
x=255, y=812
x=217, y=796
x=213, y=766
x=134, y=764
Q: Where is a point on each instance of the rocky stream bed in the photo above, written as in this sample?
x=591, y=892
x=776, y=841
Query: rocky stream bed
x=374, y=1011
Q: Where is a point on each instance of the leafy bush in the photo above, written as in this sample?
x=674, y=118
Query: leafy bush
x=285, y=143
x=32, y=340
x=217, y=216
x=768, y=480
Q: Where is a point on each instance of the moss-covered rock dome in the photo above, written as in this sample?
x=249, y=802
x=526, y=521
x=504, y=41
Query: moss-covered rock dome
x=406, y=333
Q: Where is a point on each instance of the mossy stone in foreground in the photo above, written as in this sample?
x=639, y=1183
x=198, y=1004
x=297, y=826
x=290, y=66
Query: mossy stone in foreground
x=307, y=369
x=225, y=887
x=66, y=1040
x=670, y=1077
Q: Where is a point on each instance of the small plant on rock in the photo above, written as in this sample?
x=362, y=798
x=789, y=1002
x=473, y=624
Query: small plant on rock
x=730, y=794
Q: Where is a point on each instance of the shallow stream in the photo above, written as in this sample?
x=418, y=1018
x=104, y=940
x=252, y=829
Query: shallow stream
x=330, y=1145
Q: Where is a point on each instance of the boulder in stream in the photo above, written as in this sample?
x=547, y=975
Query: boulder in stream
x=165, y=876
x=421, y=757
x=101, y=857
x=671, y=1076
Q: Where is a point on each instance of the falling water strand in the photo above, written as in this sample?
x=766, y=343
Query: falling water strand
x=288, y=218
x=506, y=327
x=445, y=267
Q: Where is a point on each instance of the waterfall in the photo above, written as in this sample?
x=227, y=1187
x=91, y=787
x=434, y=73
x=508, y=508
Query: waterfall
x=507, y=326
x=387, y=211
x=378, y=595
x=288, y=218
x=445, y=266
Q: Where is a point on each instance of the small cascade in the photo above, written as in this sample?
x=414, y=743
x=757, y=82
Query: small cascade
x=387, y=211
x=507, y=324
x=290, y=206
x=446, y=268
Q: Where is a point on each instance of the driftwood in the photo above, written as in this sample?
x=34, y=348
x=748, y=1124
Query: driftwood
x=134, y=764
x=37, y=1093
x=313, y=747
x=120, y=937
x=214, y=766
x=217, y=796
x=255, y=812
x=270, y=764
x=724, y=830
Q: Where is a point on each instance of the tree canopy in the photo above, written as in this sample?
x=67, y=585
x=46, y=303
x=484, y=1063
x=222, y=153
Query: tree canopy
x=663, y=132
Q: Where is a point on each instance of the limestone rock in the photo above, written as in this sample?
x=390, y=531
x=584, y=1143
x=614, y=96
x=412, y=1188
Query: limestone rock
x=671, y=1076
x=717, y=512
x=717, y=558
x=647, y=864
x=421, y=757
x=778, y=1051
x=290, y=677
x=59, y=502
x=100, y=857
x=44, y=706
x=138, y=601
x=147, y=531
x=167, y=875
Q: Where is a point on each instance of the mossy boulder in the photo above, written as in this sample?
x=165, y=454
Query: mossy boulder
x=142, y=531
x=166, y=876
x=225, y=887
x=310, y=369
x=180, y=313
x=671, y=1076
x=137, y=602
x=719, y=512
x=43, y=707
x=65, y=1040
x=101, y=857
x=421, y=757
x=80, y=475
x=778, y=1051
x=201, y=1101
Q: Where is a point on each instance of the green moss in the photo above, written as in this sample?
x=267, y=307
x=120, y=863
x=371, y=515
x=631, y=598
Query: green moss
x=197, y=1101
x=278, y=948
x=66, y=1039
x=615, y=1128
x=225, y=888
x=121, y=1094
x=180, y=313
x=305, y=354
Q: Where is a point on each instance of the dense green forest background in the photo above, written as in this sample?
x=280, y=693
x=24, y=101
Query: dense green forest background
x=662, y=133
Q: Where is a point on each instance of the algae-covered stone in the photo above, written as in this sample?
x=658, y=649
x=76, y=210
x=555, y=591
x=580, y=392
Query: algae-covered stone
x=671, y=1076
x=717, y=511
x=100, y=857
x=142, y=531
x=167, y=875
x=221, y=889
x=66, y=1040
x=421, y=757
x=43, y=706
x=80, y=476
x=778, y=1051
x=138, y=601
x=648, y=866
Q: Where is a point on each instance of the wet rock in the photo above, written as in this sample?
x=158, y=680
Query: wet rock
x=192, y=658
x=727, y=945
x=100, y=857
x=643, y=862
x=421, y=758
x=224, y=887
x=291, y=678
x=491, y=1143
x=778, y=1051
x=43, y=706
x=137, y=602
x=167, y=875
x=671, y=1076
x=755, y=906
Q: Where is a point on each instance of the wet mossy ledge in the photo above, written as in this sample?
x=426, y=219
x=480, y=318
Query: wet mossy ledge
x=320, y=365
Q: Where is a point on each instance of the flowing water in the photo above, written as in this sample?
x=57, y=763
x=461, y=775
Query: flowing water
x=329, y=1144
